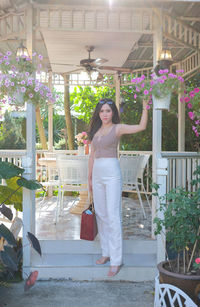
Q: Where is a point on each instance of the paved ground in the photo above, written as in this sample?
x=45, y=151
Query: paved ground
x=79, y=294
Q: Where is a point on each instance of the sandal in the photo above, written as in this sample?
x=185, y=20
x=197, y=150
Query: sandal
x=102, y=260
x=114, y=270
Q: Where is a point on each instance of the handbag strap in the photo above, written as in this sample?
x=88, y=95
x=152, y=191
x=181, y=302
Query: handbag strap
x=91, y=201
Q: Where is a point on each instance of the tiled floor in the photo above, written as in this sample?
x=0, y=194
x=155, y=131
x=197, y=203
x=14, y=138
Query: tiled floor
x=68, y=227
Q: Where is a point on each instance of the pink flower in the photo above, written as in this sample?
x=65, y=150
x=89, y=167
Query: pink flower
x=84, y=133
x=135, y=96
x=146, y=92
x=137, y=89
x=166, y=71
x=187, y=99
x=31, y=95
x=197, y=122
x=85, y=142
x=142, y=85
x=191, y=115
x=192, y=94
x=182, y=99
x=189, y=105
x=147, y=107
x=196, y=90
x=180, y=79
x=23, y=89
x=161, y=71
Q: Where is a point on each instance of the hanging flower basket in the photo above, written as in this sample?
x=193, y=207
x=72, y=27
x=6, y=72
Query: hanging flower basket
x=162, y=102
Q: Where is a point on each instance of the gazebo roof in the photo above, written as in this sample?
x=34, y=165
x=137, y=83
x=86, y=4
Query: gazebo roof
x=122, y=32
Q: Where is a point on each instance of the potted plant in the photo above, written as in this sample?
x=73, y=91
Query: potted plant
x=159, y=87
x=19, y=83
x=181, y=225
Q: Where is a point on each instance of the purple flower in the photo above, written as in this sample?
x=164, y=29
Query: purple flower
x=40, y=57
x=143, y=77
x=161, y=71
x=7, y=63
x=189, y=105
x=180, y=79
x=161, y=81
x=197, y=122
x=27, y=73
x=166, y=71
x=5, y=57
x=152, y=82
x=8, y=53
x=142, y=85
x=133, y=80
x=34, y=54
x=135, y=96
x=36, y=89
x=28, y=59
x=147, y=107
x=31, y=95
x=17, y=59
x=164, y=77
x=23, y=82
x=23, y=89
x=12, y=84
x=146, y=92
x=137, y=89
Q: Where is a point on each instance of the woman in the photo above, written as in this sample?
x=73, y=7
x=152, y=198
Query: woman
x=105, y=177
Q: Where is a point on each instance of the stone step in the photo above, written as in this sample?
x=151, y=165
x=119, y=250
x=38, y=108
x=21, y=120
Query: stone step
x=93, y=247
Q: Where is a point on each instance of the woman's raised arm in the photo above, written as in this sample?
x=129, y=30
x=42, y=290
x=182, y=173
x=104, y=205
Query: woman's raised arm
x=129, y=129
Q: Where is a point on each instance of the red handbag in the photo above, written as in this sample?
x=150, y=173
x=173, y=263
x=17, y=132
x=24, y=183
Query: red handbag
x=88, y=224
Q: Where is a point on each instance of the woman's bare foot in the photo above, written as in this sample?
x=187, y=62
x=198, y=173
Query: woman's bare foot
x=114, y=270
x=102, y=260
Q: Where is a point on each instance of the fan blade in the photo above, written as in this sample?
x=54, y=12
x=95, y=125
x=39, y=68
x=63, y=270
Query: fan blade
x=62, y=64
x=99, y=61
x=122, y=69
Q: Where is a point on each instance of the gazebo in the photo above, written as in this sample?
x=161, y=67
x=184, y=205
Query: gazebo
x=130, y=35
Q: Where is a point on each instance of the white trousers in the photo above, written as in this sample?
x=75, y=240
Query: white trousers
x=107, y=187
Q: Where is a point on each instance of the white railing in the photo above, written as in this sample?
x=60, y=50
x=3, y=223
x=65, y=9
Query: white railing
x=180, y=169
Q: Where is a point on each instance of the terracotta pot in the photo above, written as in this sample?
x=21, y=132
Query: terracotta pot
x=190, y=284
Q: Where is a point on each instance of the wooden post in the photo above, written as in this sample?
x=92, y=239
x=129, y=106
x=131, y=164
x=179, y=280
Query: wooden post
x=157, y=114
x=181, y=125
x=50, y=116
x=117, y=90
x=28, y=162
x=68, y=119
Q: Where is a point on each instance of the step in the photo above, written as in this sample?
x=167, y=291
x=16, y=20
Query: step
x=75, y=259
x=93, y=247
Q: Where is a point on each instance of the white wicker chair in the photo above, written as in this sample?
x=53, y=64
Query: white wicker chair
x=144, y=162
x=174, y=295
x=130, y=167
x=73, y=176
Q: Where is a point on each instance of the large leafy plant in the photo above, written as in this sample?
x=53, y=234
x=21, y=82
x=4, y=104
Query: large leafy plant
x=10, y=249
x=181, y=223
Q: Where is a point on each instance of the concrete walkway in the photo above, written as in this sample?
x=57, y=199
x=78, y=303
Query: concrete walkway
x=79, y=294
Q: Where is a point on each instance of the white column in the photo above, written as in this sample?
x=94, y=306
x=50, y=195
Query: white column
x=50, y=117
x=161, y=180
x=157, y=114
x=29, y=161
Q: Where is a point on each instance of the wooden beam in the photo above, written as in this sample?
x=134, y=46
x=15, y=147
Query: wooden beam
x=140, y=60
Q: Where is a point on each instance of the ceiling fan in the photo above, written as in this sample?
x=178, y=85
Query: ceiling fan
x=90, y=65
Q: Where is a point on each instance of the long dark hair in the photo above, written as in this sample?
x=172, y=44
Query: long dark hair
x=96, y=122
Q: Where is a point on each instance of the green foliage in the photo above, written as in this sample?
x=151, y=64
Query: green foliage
x=84, y=100
x=11, y=194
x=7, y=235
x=10, y=133
x=9, y=170
x=181, y=216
